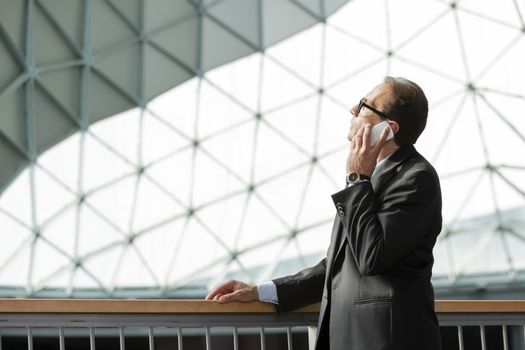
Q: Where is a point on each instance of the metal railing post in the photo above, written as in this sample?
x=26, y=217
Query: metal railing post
x=483, y=339
x=289, y=337
x=29, y=338
x=62, y=345
x=179, y=338
x=263, y=339
x=460, y=337
x=312, y=337
x=151, y=339
x=121, y=338
x=505, y=337
x=208, y=338
x=235, y=339
x=91, y=338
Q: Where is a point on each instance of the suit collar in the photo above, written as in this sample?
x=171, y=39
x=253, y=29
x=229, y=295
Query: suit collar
x=380, y=175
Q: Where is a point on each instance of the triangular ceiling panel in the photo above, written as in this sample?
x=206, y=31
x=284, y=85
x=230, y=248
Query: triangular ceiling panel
x=50, y=44
x=305, y=114
x=234, y=147
x=242, y=16
x=99, y=235
x=276, y=16
x=62, y=161
x=507, y=12
x=105, y=99
x=16, y=272
x=218, y=112
x=16, y=200
x=50, y=114
x=431, y=56
x=131, y=10
x=221, y=45
x=163, y=13
x=176, y=178
x=55, y=261
x=51, y=196
x=10, y=18
x=102, y=165
x=11, y=123
x=117, y=201
x=315, y=7
x=214, y=178
x=11, y=67
x=240, y=80
x=154, y=205
x=309, y=64
x=13, y=235
x=71, y=16
x=124, y=68
x=125, y=141
x=178, y=107
x=107, y=20
x=157, y=133
x=161, y=73
x=282, y=86
x=179, y=40
x=63, y=86
x=260, y=219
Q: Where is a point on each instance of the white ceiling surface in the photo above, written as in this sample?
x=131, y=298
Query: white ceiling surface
x=230, y=174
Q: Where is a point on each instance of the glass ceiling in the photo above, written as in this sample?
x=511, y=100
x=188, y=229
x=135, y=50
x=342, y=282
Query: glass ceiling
x=230, y=174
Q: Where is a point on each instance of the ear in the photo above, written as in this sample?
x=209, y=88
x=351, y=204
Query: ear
x=394, y=126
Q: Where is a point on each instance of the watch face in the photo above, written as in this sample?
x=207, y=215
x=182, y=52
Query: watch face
x=352, y=177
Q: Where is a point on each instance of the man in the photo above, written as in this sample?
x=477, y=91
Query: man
x=374, y=285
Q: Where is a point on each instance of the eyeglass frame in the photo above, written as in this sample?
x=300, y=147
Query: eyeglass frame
x=362, y=104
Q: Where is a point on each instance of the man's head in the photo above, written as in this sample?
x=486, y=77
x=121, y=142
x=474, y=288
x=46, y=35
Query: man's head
x=398, y=100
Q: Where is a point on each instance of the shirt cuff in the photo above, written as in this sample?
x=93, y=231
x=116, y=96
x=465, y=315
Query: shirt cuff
x=351, y=184
x=267, y=292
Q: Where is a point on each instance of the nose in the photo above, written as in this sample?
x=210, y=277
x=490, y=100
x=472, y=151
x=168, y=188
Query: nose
x=354, y=111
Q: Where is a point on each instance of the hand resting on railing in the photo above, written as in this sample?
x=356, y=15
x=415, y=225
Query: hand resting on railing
x=234, y=290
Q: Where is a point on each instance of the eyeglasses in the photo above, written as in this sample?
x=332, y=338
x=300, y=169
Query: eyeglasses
x=363, y=104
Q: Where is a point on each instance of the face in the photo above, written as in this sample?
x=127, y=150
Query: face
x=377, y=99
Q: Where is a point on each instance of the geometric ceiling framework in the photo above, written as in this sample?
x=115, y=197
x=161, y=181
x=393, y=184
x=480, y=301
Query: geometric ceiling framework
x=67, y=64
x=229, y=174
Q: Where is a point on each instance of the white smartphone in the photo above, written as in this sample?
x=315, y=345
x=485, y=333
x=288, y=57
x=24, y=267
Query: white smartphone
x=378, y=129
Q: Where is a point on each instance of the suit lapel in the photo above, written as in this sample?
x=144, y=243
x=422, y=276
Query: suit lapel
x=385, y=173
x=381, y=175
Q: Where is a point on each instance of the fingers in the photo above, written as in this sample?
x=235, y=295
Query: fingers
x=225, y=288
x=245, y=294
x=366, y=136
x=358, y=139
x=229, y=297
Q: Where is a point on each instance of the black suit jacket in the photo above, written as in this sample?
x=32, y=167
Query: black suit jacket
x=374, y=285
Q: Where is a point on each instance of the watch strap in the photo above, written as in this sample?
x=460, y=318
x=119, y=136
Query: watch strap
x=353, y=178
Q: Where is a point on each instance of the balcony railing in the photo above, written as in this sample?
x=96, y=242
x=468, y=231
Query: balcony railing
x=36, y=324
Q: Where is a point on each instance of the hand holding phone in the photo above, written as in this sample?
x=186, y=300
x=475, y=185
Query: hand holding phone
x=378, y=129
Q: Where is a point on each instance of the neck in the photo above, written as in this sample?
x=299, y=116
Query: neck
x=389, y=148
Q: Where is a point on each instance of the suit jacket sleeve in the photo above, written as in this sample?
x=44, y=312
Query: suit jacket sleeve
x=303, y=288
x=380, y=233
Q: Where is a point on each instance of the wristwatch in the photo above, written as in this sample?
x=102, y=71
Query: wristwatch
x=353, y=178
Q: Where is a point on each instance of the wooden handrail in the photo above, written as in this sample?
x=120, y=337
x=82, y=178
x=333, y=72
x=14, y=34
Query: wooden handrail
x=164, y=306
